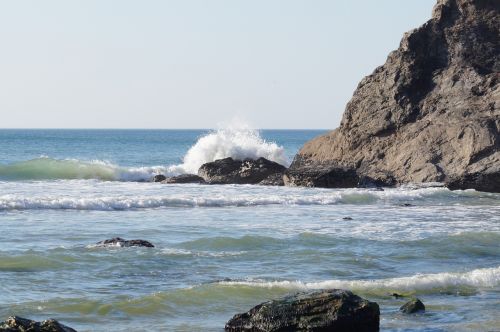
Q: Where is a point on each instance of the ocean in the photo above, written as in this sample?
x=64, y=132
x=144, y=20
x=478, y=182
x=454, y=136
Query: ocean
x=222, y=249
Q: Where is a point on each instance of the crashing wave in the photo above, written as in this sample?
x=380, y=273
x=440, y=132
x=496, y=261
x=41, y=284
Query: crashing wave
x=238, y=143
x=45, y=168
x=420, y=283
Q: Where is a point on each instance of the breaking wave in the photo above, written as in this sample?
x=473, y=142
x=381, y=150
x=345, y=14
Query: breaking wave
x=238, y=143
x=419, y=283
x=45, y=168
x=14, y=202
x=237, y=196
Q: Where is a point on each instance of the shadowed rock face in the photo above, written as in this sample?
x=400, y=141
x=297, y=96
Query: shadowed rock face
x=332, y=310
x=18, y=324
x=431, y=113
x=230, y=171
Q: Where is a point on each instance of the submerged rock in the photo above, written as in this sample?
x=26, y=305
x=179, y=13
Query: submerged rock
x=412, y=307
x=248, y=171
x=18, y=324
x=431, y=113
x=185, y=178
x=329, y=310
x=119, y=242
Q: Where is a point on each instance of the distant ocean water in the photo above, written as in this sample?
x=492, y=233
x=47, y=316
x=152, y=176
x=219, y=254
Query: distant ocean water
x=222, y=249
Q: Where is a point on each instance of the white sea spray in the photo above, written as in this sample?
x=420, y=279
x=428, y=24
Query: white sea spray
x=236, y=142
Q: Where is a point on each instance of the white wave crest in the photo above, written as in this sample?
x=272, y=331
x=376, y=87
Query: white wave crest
x=238, y=143
x=132, y=196
x=480, y=278
x=15, y=202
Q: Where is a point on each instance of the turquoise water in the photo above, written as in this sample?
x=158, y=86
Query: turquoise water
x=222, y=249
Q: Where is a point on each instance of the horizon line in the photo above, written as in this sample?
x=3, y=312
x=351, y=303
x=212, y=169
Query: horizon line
x=83, y=128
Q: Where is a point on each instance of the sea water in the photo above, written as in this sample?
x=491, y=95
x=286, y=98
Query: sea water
x=220, y=250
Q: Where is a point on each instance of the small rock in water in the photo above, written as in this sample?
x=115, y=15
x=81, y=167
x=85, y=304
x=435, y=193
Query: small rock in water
x=397, y=296
x=412, y=307
x=18, y=324
x=347, y=218
x=159, y=178
x=406, y=204
x=329, y=310
x=185, y=178
x=119, y=242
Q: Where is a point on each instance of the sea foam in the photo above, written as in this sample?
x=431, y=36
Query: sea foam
x=130, y=196
x=479, y=278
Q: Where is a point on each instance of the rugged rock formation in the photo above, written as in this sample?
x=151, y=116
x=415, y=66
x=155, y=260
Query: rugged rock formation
x=332, y=310
x=248, y=171
x=412, y=307
x=431, y=113
x=119, y=242
x=18, y=324
x=184, y=178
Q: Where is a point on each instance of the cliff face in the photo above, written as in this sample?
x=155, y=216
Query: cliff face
x=430, y=113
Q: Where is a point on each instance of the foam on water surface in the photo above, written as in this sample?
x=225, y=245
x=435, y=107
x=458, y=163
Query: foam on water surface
x=97, y=196
x=420, y=283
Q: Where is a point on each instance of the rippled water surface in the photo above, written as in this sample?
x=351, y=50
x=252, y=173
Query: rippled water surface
x=222, y=249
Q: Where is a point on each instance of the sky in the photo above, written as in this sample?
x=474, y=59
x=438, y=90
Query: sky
x=192, y=63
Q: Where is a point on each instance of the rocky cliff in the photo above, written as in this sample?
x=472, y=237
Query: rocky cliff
x=431, y=113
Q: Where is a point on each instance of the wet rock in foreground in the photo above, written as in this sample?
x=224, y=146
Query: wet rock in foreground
x=119, y=242
x=412, y=307
x=18, y=324
x=329, y=310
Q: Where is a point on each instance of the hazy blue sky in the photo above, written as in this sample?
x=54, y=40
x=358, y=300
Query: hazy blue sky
x=192, y=63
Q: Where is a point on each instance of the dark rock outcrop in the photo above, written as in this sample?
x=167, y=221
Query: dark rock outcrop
x=159, y=178
x=248, y=171
x=431, y=113
x=273, y=180
x=119, y=242
x=184, y=178
x=330, y=310
x=18, y=324
x=412, y=307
